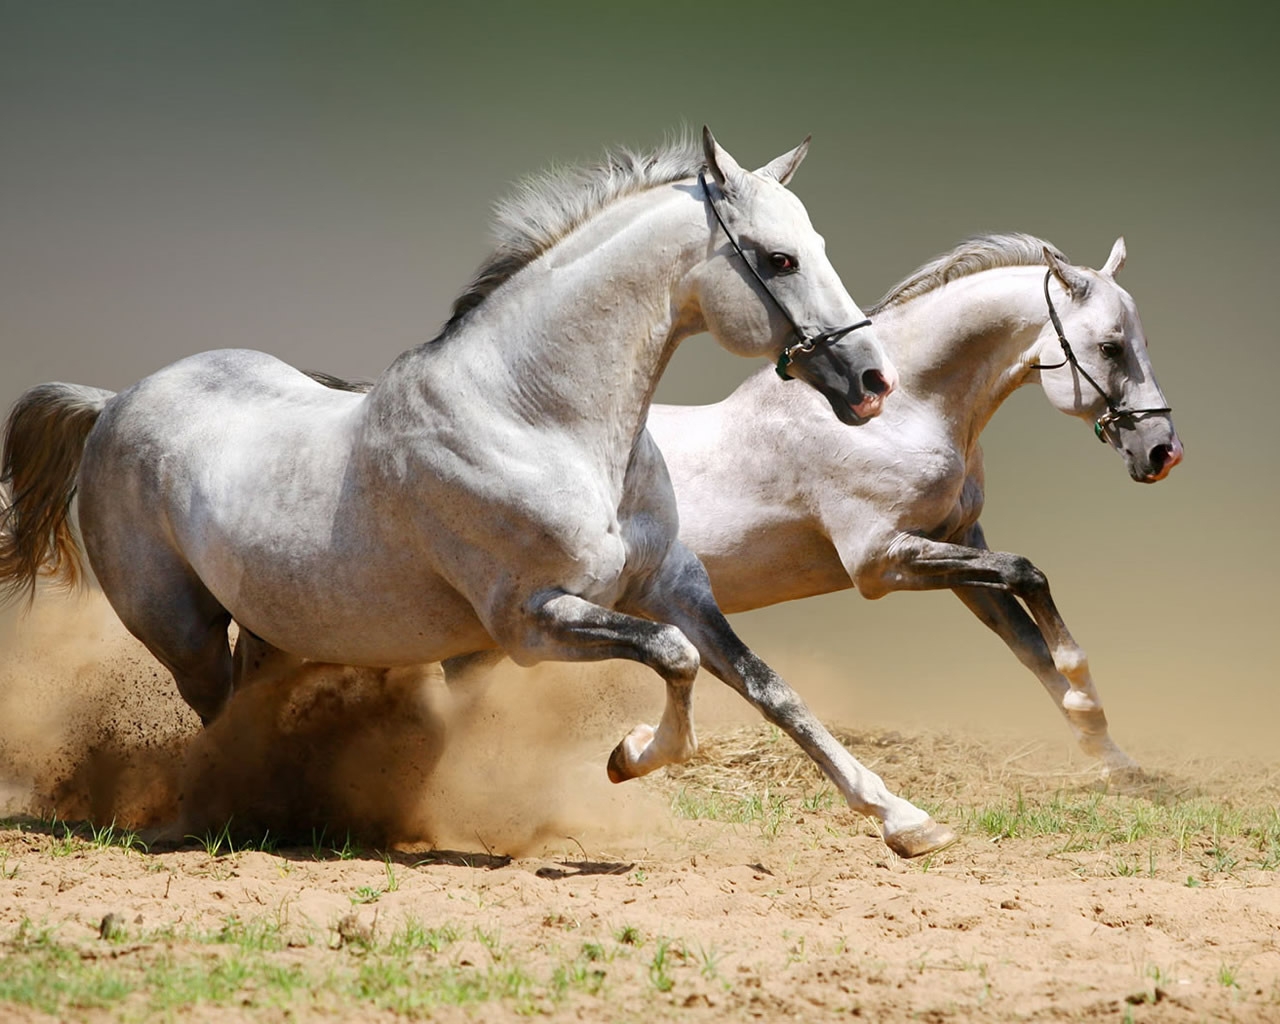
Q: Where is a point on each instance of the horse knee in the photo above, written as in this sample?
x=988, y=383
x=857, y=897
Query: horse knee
x=1026, y=578
x=675, y=656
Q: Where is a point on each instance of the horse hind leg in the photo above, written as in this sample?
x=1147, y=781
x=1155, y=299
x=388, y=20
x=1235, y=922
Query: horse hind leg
x=1003, y=614
x=147, y=579
x=199, y=657
x=183, y=625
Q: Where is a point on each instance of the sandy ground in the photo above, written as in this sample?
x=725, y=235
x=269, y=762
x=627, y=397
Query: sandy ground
x=494, y=818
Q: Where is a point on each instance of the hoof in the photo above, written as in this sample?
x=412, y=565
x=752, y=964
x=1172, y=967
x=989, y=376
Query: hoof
x=1102, y=747
x=1129, y=781
x=927, y=837
x=618, y=764
x=628, y=760
x=1121, y=766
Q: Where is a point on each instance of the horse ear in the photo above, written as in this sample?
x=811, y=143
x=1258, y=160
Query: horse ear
x=781, y=168
x=722, y=166
x=1068, y=276
x=1116, y=260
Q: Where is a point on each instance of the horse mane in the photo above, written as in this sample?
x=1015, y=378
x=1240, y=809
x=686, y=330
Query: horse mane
x=972, y=256
x=545, y=208
x=356, y=386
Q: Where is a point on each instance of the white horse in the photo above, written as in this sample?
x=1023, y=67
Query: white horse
x=495, y=489
x=780, y=505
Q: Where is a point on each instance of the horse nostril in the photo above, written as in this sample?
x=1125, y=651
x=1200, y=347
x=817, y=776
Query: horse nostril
x=873, y=381
x=1160, y=455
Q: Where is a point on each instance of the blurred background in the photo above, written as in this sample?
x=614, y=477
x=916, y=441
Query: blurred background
x=315, y=179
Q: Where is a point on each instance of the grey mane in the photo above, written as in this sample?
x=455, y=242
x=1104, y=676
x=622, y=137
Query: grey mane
x=972, y=256
x=335, y=383
x=547, y=207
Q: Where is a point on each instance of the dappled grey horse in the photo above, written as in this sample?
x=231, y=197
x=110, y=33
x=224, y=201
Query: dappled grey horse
x=793, y=508
x=495, y=489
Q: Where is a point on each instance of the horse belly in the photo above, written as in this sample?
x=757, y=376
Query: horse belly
x=332, y=582
x=375, y=622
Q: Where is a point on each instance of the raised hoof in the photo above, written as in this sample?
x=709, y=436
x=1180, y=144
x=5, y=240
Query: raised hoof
x=618, y=764
x=927, y=837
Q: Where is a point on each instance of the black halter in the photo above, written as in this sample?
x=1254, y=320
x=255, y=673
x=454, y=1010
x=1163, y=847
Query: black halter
x=1113, y=412
x=803, y=344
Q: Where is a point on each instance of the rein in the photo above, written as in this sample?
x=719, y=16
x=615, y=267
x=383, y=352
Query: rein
x=1113, y=412
x=804, y=344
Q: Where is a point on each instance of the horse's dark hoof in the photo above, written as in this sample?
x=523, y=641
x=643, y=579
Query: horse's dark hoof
x=617, y=765
x=927, y=837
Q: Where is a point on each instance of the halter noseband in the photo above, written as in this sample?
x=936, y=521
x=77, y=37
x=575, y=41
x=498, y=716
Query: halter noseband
x=1113, y=412
x=803, y=344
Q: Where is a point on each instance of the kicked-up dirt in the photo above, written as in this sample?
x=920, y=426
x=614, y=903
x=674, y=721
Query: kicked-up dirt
x=396, y=850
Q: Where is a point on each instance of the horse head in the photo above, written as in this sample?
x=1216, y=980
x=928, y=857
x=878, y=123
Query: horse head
x=768, y=287
x=1105, y=372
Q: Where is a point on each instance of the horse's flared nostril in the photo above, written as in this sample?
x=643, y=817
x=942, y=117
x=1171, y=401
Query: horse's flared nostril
x=1163, y=458
x=875, y=383
x=1166, y=456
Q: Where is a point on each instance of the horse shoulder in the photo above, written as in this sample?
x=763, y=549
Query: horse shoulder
x=647, y=513
x=898, y=475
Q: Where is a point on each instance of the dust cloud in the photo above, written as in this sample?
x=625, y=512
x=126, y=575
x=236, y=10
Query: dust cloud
x=92, y=728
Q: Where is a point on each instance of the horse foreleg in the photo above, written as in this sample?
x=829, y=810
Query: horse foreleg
x=565, y=627
x=1002, y=613
x=683, y=596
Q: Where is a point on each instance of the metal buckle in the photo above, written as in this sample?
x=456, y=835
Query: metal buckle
x=807, y=345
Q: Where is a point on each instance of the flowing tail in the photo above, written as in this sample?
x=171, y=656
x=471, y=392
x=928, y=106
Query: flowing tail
x=43, y=442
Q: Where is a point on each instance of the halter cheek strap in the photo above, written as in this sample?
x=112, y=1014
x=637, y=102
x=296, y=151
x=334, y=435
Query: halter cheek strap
x=1114, y=412
x=804, y=344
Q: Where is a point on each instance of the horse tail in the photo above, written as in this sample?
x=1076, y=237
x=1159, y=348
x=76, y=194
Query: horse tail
x=43, y=443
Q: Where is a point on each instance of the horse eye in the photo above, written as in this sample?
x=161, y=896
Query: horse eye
x=1111, y=349
x=783, y=263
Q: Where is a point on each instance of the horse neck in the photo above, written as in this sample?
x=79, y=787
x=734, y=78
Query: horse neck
x=580, y=337
x=965, y=347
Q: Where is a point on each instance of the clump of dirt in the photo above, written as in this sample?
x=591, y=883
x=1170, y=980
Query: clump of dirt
x=326, y=747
